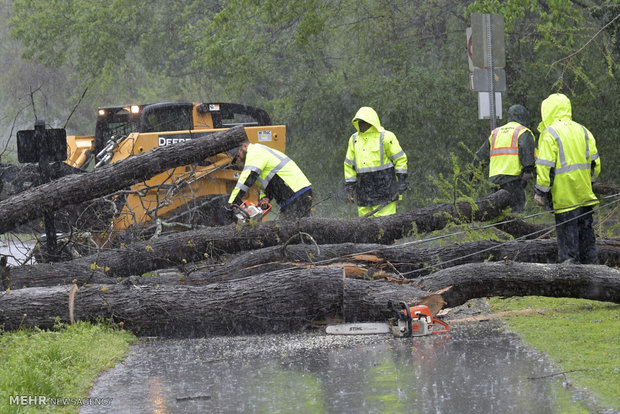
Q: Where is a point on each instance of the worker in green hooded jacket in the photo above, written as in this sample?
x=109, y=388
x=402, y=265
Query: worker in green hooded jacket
x=509, y=151
x=567, y=163
x=375, y=166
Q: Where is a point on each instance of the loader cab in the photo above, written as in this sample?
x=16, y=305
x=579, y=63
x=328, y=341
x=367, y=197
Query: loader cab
x=115, y=121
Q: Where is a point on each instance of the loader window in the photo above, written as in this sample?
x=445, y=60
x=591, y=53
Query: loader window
x=115, y=122
x=119, y=128
x=238, y=119
x=167, y=117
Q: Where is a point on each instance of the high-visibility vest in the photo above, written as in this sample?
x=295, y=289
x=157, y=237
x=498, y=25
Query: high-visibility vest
x=504, y=150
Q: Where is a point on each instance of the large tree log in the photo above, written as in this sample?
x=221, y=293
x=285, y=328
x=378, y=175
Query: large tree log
x=272, y=302
x=192, y=246
x=74, y=189
x=602, y=189
x=292, y=300
x=520, y=229
x=409, y=260
x=460, y=283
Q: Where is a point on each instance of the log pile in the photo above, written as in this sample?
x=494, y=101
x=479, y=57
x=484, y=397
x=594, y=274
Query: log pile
x=278, y=276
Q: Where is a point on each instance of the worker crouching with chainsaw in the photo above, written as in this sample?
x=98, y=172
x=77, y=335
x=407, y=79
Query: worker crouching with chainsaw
x=375, y=167
x=278, y=178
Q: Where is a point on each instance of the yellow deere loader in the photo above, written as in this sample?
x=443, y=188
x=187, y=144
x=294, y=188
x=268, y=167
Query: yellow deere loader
x=191, y=193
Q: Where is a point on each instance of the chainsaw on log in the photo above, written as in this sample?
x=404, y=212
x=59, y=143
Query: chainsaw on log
x=406, y=322
x=249, y=211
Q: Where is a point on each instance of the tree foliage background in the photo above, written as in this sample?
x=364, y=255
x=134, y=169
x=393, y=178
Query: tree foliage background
x=311, y=64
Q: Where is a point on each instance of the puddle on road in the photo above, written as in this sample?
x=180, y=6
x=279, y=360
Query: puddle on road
x=477, y=368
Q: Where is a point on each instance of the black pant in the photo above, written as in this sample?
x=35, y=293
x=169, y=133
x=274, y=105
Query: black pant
x=517, y=194
x=575, y=234
x=298, y=208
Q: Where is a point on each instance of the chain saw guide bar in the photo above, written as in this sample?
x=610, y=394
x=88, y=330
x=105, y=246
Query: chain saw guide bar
x=249, y=211
x=406, y=322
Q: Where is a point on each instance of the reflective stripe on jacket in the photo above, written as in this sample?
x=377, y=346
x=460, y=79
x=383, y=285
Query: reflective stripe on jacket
x=504, y=150
x=569, y=149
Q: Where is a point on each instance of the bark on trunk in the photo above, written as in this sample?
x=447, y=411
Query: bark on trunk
x=520, y=229
x=605, y=189
x=192, y=246
x=411, y=261
x=269, y=303
x=293, y=300
x=74, y=189
x=460, y=283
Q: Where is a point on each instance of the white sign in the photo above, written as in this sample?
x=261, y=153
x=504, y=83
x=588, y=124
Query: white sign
x=484, y=106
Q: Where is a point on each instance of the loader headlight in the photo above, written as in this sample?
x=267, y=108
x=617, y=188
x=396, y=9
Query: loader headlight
x=101, y=112
x=135, y=109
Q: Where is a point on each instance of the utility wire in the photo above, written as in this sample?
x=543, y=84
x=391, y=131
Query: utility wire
x=414, y=242
x=517, y=239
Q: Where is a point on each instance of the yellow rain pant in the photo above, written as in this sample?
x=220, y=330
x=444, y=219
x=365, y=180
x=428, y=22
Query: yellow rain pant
x=385, y=211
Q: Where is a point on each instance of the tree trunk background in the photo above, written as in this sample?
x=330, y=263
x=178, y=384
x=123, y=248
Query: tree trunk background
x=74, y=189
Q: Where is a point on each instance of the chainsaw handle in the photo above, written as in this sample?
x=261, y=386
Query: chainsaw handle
x=408, y=319
x=445, y=325
x=239, y=209
x=267, y=210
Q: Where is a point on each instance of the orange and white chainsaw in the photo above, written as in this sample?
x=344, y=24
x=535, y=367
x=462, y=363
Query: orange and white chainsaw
x=406, y=322
x=249, y=211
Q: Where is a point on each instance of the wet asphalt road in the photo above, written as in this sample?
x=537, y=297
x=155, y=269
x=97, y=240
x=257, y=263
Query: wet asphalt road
x=476, y=368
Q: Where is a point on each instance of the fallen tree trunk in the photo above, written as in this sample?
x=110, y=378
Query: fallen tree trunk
x=74, y=189
x=268, y=303
x=460, y=283
x=602, y=189
x=293, y=300
x=520, y=229
x=409, y=260
x=177, y=249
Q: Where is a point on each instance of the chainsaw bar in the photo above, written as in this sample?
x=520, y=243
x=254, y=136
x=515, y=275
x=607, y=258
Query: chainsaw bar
x=365, y=328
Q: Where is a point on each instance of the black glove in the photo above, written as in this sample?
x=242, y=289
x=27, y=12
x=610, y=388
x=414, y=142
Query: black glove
x=264, y=203
x=402, y=183
x=350, y=190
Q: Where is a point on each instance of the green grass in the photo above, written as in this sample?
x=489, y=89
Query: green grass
x=57, y=364
x=581, y=336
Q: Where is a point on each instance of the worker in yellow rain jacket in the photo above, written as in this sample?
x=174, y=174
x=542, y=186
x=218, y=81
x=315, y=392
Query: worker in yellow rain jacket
x=278, y=177
x=566, y=165
x=375, y=167
x=509, y=151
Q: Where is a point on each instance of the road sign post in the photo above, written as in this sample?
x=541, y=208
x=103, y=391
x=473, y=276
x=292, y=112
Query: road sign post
x=485, y=47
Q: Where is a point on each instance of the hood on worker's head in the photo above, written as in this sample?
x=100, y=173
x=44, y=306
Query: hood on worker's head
x=556, y=106
x=519, y=113
x=369, y=115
